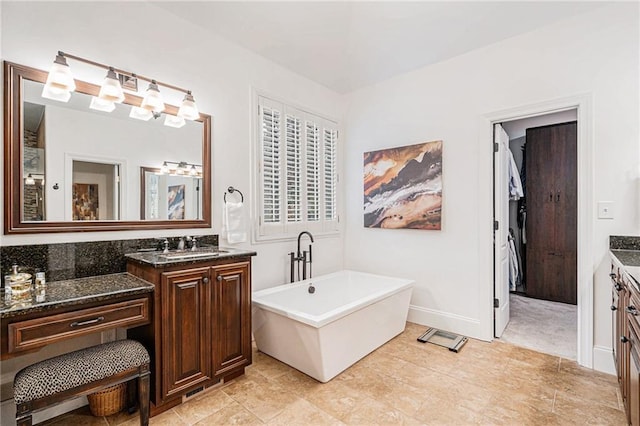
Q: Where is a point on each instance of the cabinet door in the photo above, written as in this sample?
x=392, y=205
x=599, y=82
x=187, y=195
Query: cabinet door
x=633, y=400
x=232, y=318
x=186, y=330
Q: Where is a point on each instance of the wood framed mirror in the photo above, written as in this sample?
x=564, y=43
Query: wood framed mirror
x=68, y=168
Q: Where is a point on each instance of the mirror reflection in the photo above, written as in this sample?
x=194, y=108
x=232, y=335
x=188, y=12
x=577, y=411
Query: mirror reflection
x=80, y=164
x=170, y=195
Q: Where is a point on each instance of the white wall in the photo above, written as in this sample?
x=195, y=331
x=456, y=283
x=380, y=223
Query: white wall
x=148, y=40
x=594, y=54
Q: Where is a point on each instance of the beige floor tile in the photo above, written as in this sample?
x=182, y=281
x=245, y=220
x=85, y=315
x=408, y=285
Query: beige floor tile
x=265, y=401
x=233, y=414
x=121, y=417
x=404, y=382
x=572, y=407
x=373, y=412
x=203, y=406
x=303, y=412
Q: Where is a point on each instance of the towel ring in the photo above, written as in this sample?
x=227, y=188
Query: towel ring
x=231, y=190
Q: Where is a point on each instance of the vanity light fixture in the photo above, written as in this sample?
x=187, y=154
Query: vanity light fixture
x=181, y=168
x=60, y=81
x=29, y=180
x=60, y=84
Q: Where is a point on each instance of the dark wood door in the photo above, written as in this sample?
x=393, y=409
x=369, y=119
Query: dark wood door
x=551, y=226
x=186, y=330
x=232, y=318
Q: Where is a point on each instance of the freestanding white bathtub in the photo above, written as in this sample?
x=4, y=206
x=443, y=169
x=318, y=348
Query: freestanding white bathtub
x=322, y=333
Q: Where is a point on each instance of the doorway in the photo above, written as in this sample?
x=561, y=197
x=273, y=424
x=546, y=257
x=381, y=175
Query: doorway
x=535, y=187
x=583, y=105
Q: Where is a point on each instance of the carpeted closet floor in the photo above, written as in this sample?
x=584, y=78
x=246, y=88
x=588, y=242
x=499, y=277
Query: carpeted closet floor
x=544, y=326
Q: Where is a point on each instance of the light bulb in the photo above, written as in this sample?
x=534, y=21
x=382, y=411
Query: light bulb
x=111, y=90
x=153, y=99
x=193, y=171
x=165, y=168
x=29, y=180
x=189, y=109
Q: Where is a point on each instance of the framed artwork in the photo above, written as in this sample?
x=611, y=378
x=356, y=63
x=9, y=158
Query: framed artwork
x=403, y=187
x=175, y=201
x=85, y=201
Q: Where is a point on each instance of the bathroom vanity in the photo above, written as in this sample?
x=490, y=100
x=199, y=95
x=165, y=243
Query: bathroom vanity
x=625, y=307
x=74, y=308
x=200, y=333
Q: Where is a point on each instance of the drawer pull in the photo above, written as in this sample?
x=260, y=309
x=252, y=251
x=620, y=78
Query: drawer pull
x=632, y=310
x=617, y=286
x=87, y=322
x=612, y=275
x=219, y=277
x=624, y=339
x=614, y=308
x=205, y=280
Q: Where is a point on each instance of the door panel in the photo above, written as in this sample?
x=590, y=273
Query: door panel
x=232, y=318
x=501, y=242
x=186, y=330
x=551, y=229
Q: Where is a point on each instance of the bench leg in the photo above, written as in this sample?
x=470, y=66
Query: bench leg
x=23, y=414
x=143, y=397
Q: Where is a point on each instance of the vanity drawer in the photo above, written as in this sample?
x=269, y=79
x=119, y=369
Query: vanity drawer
x=38, y=332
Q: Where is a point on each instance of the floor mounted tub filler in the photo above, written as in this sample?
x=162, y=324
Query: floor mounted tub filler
x=321, y=326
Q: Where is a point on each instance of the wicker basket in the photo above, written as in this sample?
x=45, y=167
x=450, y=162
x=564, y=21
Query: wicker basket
x=108, y=401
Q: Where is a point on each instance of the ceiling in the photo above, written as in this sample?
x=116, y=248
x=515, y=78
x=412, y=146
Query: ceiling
x=348, y=45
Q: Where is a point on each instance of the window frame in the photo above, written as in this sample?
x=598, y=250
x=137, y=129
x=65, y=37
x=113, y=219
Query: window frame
x=284, y=229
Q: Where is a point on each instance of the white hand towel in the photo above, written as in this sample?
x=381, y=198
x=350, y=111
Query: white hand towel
x=234, y=227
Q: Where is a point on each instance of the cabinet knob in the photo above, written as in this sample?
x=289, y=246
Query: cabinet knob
x=219, y=277
x=624, y=339
x=632, y=310
x=205, y=280
x=614, y=308
x=612, y=275
x=618, y=287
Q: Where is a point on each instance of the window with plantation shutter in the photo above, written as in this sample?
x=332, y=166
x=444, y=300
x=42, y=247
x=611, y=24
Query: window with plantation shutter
x=296, y=160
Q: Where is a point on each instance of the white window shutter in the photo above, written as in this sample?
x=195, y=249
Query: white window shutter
x=312, y=173
x=271, y=170
x=330, y=174
x=293, y=160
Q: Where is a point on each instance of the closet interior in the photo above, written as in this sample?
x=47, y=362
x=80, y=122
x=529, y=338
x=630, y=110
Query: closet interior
x=543, y=212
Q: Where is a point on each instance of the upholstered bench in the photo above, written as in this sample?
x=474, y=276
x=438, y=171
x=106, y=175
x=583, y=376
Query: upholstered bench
x=80, y=373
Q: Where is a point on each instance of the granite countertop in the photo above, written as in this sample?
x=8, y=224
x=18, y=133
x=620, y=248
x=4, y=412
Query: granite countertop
x=629, y=261
x=187, y=257
x=79, y=291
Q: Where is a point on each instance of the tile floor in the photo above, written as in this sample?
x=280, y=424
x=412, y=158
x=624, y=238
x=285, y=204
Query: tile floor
x=404, y=382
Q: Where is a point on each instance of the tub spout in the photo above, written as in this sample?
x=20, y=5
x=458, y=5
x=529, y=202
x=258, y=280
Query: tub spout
x=299, y=237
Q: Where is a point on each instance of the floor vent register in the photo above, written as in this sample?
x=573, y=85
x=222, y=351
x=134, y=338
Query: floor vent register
x=453, y=342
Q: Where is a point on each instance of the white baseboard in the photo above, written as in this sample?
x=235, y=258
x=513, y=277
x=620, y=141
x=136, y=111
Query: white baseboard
x=603, y=360
x=447, y=321
x=8, y=411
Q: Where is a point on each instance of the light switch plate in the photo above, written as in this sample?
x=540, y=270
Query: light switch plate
x=605, y=209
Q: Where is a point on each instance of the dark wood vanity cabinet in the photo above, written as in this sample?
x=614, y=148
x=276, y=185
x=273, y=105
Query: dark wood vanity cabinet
x=626, y=344
x=202, y=332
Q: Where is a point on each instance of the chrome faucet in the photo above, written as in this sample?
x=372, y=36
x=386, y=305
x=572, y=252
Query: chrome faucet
x=296, y=258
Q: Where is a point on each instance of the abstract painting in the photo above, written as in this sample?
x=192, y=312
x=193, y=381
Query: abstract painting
x=85, y=201
x=403, y=187
x=175, y=198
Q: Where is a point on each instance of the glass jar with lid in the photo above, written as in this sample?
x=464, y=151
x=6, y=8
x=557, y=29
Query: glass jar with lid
x=19, y=285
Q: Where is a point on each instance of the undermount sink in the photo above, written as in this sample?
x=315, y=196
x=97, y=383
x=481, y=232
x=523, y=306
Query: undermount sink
x=185, y=255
